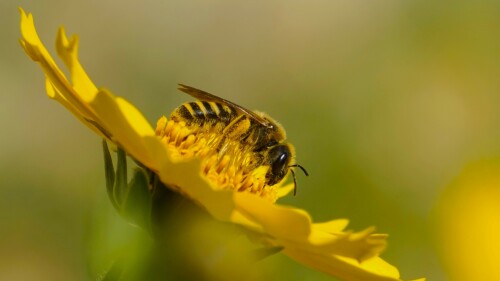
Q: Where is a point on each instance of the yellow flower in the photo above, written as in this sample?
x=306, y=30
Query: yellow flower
x=324, y=246
x=468, y=223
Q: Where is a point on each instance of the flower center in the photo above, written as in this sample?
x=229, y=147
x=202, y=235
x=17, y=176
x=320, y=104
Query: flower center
x=227, y=164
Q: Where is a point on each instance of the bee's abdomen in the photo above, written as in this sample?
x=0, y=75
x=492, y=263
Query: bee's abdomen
x=203, y=112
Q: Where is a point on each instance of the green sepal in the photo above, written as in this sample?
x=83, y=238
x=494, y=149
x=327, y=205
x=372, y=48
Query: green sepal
x=131, y=200
x=109, y=171
x=262, y=253
x=136, y=206
x=114, y=273
x=120, y=187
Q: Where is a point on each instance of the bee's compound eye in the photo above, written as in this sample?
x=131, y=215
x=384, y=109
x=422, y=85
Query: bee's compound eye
x=279, y=158
x=278, y=155
x=282, y=159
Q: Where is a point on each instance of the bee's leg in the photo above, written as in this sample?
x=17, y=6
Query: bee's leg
x=234, y=134
x=260, y=139
x=257, y=160
x=238, y=128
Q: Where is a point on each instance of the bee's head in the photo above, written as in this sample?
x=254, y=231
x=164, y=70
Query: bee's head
x=279, y=158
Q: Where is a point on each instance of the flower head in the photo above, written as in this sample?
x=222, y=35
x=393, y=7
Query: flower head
x=325, y=246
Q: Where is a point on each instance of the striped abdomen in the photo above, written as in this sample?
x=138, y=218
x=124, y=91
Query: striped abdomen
x=204, y=114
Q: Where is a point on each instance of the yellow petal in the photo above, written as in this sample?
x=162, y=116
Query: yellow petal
x=68, y=52
x=37, y=52
x=285, y=190
x=468, y=220
x=111, y=117
x=276, y=220
x=185, y=177
x=374, y=269
x=31, y=42
x=291, y=227
x=125, y=124
x=53, y=93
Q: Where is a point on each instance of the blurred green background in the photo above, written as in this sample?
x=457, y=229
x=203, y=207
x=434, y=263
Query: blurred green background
x=385, y=102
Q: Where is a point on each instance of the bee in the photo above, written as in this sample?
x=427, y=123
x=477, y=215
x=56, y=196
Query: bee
x=261, y=139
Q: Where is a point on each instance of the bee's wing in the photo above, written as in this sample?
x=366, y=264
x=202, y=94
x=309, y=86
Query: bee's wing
x=204, y=96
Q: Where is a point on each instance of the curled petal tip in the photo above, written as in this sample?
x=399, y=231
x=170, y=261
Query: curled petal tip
x=21, y=11
x=66, y=47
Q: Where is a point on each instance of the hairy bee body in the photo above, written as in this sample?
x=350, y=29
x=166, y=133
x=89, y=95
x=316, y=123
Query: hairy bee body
x=201, y=112
x=234, y=138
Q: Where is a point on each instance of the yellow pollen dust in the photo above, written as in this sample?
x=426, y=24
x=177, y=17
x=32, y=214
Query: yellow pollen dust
x=226, y=164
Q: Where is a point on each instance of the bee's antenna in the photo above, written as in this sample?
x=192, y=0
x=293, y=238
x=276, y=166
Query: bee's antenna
x=294, y=183
x=294, y=180
x=302, y=168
